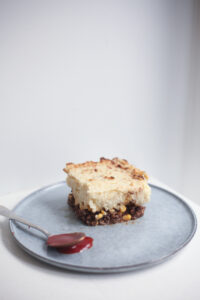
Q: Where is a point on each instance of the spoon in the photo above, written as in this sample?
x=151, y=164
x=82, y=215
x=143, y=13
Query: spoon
x=57, y=240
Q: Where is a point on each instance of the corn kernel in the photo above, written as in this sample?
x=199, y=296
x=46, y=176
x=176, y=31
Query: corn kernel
x=103, y=212
x=127, y=217
x=99, y=216
x=122, y=208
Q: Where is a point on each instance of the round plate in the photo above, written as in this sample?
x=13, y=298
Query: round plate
x=166, y=227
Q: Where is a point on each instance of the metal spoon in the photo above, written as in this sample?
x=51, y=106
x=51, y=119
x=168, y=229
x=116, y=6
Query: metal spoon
x=57, y=240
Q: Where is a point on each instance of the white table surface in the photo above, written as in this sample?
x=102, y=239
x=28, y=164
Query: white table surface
x=23, y=277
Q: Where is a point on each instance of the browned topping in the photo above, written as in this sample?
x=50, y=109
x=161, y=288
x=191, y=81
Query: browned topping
x=133, y=172
x=90, y=179
x=137, y=174
x=109, y=177
x=102, y=159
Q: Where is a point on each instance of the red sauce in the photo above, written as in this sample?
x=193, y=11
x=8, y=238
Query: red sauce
x=86, y=243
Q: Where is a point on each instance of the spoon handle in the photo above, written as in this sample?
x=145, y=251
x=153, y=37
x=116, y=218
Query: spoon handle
x=4, y=211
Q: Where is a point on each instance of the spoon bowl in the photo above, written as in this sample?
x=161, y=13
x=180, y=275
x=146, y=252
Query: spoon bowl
x=65, y=239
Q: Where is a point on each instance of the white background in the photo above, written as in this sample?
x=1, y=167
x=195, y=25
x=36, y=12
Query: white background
x=84, y=79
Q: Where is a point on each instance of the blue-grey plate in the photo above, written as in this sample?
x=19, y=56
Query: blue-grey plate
x=166, y=227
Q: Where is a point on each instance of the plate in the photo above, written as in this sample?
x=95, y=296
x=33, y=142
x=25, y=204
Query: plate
x=166, y=227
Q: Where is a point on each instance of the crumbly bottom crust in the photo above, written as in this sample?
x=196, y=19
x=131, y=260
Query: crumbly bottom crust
x=132, y=212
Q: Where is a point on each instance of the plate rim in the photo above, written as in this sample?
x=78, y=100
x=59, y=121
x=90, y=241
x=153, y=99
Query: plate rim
x=118, y=269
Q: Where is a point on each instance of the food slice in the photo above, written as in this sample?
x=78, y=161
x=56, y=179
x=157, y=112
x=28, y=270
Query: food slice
x=108, y=191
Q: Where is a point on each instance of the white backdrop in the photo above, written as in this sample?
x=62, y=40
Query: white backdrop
x=84, y=79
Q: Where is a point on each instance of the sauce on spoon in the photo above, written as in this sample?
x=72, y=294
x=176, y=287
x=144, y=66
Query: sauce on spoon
x=65, y=239
x=70, y=243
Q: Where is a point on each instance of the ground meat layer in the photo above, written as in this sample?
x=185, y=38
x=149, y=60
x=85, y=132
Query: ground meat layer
x=89, y=218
